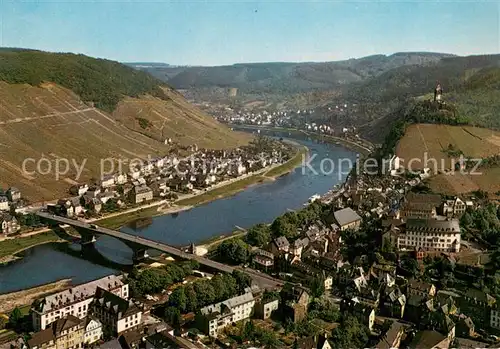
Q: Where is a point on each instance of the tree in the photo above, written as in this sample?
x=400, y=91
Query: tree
x=282, y=227
x=317, y=286
x=242, y=280
x=259, y=235
x=351, y=334
x=410, y=265
x=173, y=316
x=15, y=318
x=234, y=251
x=178, y=299
x=249, y=331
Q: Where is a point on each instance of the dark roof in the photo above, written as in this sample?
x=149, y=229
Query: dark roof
x=346, y=216
x=115, y=303
x=65, y=323
x=433, y=225
x=160, y=340
x=112, y=344
x=434, y=199
x=50, y=333
x=42, y=337
x=281, y=242
x=390, y=336
x=426, y=339
x=419, y=285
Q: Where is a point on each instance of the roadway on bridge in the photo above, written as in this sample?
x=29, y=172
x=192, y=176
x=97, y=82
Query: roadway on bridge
x=263, y=280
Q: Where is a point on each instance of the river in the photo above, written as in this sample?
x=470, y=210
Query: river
x=258, y=203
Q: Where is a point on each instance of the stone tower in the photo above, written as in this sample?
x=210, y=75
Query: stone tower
x=438, y=91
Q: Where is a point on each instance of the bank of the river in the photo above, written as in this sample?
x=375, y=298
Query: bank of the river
x=10, y=247
x=237, y=186
x=257, y=204
x=12, y=300
x=346, y=142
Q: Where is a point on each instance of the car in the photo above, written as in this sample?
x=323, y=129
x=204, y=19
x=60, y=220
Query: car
x=93, y=226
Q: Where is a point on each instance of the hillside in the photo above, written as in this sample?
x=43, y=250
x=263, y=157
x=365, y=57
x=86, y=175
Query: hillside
x=40, y=118
x=471, y=84
x=444, y=143
x=268, y=80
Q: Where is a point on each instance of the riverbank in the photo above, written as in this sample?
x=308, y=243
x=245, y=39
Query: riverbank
x=237, y=186
x=10, y=247
x=12, y=300
x=362, y=148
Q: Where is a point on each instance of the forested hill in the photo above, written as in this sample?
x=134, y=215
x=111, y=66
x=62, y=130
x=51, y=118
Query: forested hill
x=100, y=81
x=471, y=84
x=277, y=78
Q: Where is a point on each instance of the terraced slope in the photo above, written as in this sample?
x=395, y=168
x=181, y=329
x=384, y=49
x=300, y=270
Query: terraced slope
x=434, y=139
x=50, y=122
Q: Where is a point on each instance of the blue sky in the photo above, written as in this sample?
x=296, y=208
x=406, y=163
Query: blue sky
x=226, y=32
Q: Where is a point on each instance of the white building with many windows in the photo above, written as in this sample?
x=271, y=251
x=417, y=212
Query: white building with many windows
x=74, y=301
x=117, y=314
x=92, y=330
x=430, y=235
x=215, y=317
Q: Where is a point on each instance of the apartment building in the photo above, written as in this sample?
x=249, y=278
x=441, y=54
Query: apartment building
x=420, y=206
x=215, y=317
x=116, y=313
x=65, y=333
x=431, y=235
x=74, y=301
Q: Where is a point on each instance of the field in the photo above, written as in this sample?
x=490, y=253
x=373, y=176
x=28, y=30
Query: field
x=435, y=139
x=51, y=123
x=452, y=184
x=13, y=246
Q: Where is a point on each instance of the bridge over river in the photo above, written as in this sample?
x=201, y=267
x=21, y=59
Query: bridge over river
x=139, y=244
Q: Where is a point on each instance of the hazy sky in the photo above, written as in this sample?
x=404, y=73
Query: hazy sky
x=225, y=32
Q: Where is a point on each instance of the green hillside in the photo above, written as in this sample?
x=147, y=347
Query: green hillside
x=471, y=87
x=288, y=78
x=100, y=81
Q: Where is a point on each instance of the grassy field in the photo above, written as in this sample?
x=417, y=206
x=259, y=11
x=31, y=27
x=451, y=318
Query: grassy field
x=289, y=165
x=116, y=222
x=52, y=123
x=13, y=246
x=434, y=140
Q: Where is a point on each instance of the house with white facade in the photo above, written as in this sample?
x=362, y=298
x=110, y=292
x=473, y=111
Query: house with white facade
x=430, y=235
x=116, y=313
x=92, y=330
x=74, y=301
x=4, y=203
x=108, y=181
x=213, y=318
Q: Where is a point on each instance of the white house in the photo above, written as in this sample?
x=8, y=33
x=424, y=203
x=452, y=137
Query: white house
x=431, y=234
x=118, y=314
x=74, y=301
x=121, y=178
x=92, y=330
x=215, y=317
x=4, y=203
x=107, y=181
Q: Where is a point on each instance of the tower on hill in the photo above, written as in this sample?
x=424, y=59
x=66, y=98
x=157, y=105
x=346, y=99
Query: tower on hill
x=438, y=92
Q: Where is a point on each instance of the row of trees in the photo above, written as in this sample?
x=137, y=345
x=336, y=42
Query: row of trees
x=192, y=297
x=100, y=81
x=484, y=222
x=290, y=224
x=155, y=280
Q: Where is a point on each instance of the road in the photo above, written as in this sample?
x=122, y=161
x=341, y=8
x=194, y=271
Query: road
x=263, y=280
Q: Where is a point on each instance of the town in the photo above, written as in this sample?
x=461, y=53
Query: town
x=159, y=181
x=376, y=262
